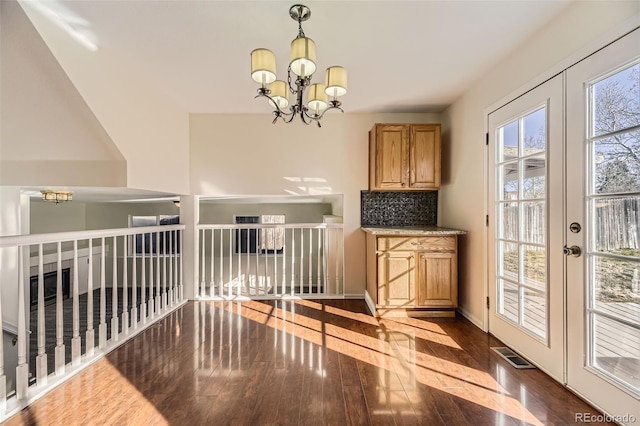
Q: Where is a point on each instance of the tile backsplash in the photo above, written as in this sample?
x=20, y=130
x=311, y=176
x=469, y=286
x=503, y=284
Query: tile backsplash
x=382, y=208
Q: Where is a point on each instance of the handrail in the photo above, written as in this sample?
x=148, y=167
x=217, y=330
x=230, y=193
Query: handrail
x=270, y=226
x=54, y=237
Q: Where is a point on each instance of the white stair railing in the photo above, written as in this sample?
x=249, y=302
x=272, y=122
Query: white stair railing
x=268, y=261
x=60, y=272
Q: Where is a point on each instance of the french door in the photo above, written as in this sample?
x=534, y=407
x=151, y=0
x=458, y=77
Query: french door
x=525, y=226
x=564, y=228
x=603, y=204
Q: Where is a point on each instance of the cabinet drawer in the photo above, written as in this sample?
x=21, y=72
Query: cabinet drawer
x=435, y=243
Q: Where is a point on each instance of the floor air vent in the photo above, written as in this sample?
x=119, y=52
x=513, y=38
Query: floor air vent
x=512, y=358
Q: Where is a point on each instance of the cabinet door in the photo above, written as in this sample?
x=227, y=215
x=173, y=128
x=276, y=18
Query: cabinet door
x=438, y=280
x=396, y=279
x=424, y=156
x=391, y=151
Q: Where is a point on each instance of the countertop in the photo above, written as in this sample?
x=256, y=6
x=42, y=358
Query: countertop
x=412, y=230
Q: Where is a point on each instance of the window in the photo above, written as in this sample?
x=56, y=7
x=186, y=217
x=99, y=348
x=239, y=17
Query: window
x=269, y=240
x=170, y=243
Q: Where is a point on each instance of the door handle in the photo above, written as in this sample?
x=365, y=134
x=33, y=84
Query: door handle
x=574, y=251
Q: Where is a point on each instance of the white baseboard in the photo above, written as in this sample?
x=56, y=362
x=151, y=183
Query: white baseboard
x=370, y=304
x=354, y=296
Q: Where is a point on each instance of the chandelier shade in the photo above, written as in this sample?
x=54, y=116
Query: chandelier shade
x=302, y=66
x=303, y=56
x=336, y=81
x=279, y=94
x=317, y=98
x=263, y=66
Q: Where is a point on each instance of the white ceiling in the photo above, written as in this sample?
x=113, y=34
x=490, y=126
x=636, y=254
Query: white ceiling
x=402, y=56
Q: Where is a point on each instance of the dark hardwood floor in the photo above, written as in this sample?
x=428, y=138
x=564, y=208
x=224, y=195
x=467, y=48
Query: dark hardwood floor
x=304, y=363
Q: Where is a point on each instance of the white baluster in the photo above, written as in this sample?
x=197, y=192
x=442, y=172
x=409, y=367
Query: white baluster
x=230, y=282
x=220, y=282
x=211, y=283
x=60, y=349
x=275, y=262
x=102, y=328
x=181, y=266
x=239, y=249
x=134, y=285
x=319, y=260
x=114, y=292
x=3, y=377
x=256, y=285
x=171, y=284
x=76, y=350
x=325, y=265
x=90, y=334
x=22, y=370
x=284, y=267
x=150, y=300
x=158, y=298
x=293, y=260
x=125, y=286
x=164, y=271
x=41, y=359
x=201, y=290
x=143, y=283
x=302, y=261
x=310, y=260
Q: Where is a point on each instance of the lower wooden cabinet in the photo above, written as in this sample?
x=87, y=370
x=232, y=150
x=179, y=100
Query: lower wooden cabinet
x=397, y=284
x=417, y=275
x=438, y=279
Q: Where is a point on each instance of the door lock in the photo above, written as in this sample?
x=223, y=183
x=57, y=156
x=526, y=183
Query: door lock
x=574, y=251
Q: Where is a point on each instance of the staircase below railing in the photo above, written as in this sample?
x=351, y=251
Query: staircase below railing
x=260, y=261
x=121, y=281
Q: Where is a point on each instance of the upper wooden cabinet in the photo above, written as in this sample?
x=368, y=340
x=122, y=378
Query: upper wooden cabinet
x=404, y=157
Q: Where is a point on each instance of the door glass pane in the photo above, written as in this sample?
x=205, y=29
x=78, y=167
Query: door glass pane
x=534, y=127
x=508, y=220
x=534, y=264
x=616, y=350
x=508, y=301
x=616, y=285
x=510, y=181
x=535, y=308
x=617, y=225
x=510, y=260
x=616, y=101
x=508, y=147
x=533, y=222
x=533, y=184
x=613, y=281
x=617, y=163
x=521, y=261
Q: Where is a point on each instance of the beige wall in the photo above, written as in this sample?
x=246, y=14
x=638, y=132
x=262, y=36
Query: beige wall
x=76, y=216
x=580, y=29
x=247, y=155
x=49, y=135
x=294, y=213
x=150, y=130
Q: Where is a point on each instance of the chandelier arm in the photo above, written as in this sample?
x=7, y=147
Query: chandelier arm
x=331, y=107
x=291, y=116
x=279, y=112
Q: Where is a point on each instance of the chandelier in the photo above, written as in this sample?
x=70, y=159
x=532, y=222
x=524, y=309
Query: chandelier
x=321, y=97
x=56, y=196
